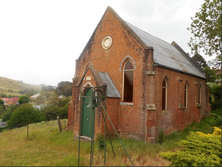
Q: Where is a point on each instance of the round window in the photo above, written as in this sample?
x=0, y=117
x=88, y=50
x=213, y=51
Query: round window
x=107, y=42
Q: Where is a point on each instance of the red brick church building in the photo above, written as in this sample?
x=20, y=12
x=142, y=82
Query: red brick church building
x=152, y=86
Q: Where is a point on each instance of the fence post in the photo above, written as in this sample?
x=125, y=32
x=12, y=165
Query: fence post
x=59, y=123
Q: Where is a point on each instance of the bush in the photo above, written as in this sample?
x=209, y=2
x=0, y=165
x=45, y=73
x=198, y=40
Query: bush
x=24, y=115
x=2, y=102
x=199, y=149
x=23, y=99
x=101, y=142
x=213, y=120
x=52, y=112
x=161, y=138
x=215, y=100
x=6, y=116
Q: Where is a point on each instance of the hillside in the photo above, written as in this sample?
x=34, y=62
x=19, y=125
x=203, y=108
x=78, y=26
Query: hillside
x=12, y=87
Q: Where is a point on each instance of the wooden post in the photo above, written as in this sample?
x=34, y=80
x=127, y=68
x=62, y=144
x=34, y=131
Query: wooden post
x=27, y=131
x=59, y=124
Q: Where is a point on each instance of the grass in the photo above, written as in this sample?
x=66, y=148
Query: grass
x=61, y=149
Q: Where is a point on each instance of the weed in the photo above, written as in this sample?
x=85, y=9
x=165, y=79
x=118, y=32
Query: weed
x=100, y=140
x=161, y=138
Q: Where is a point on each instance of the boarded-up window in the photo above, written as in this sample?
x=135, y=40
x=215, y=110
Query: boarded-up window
x=185, y=94
x=164, y=94
x=128, y=82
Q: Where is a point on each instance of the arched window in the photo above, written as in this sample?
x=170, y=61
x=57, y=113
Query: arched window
x=185, y=94
x=128, y=81
x=199, y=94
x=164, y=94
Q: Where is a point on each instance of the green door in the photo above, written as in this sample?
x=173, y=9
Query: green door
x=86, y=115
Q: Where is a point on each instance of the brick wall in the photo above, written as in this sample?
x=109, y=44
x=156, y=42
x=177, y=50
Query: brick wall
x=175, y=118
x=134, y=120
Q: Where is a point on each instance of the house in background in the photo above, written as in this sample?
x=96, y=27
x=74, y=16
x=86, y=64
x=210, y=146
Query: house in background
x=152, y=86
x=13, y=100
x=10, y=101
x=62, y=96
x=5, y=100
x=34, y=96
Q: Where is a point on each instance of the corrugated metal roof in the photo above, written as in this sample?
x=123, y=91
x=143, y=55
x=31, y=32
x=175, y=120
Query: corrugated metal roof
x=166, y=54
x=111, y=88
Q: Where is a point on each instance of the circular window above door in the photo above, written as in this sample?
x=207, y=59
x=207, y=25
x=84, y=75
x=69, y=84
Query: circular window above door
x=107, y=42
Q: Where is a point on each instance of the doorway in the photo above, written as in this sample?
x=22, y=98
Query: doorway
x=87, y=114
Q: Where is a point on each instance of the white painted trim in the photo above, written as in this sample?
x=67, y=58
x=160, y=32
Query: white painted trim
x=123, y=61
x=124, y=80
x=86, y=65
x=87, y=83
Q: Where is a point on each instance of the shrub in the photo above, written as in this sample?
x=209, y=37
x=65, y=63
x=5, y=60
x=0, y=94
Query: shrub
x=23, y=99
x=2, y=102
x=52, y=112
x=100, y=140
x=213, y=120
x=215, y=100
x=24, y=115
x=199, y=150
x=161, y=138
x=6, y=116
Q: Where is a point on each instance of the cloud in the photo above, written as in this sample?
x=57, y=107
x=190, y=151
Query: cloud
x=165, y=19
x=149, y=9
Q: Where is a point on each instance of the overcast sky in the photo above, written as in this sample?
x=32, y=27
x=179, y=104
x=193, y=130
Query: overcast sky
x=41, y=39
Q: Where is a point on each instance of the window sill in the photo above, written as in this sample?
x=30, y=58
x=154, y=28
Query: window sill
x=126, y=104
x=198, y=105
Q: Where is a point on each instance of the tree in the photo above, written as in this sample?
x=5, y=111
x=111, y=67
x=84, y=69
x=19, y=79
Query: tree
x=23, y=116
x=64, y=88
x=3, y=95
x=53, y=99
x=210, y=74
x=2, y=107
x=23, y=99
x=39, y=100
x=28, y=92
x=206, y=28
x=215, y=63
x=51, y=112
x=215, y=101
x=200, y=61
x=68, y=91
x=2, y=102
x=47, y=88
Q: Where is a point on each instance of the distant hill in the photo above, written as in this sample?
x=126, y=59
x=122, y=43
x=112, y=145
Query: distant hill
x=12, y=87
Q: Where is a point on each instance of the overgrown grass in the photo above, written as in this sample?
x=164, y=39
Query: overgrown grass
x=61, y=149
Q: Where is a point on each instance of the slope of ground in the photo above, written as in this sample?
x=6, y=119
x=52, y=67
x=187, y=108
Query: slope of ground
x=12, y=87
x=52, y=148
